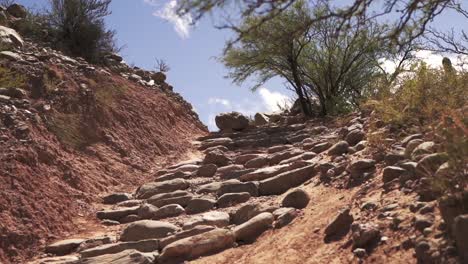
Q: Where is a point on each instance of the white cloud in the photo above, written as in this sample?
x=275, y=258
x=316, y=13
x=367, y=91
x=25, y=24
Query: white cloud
x=432, y=59
x=272, y=100
x=221, y=101
x=168, y=12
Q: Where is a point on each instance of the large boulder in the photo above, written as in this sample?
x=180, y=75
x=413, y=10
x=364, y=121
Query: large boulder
x=17, y=11
x=218, y=219
x=64, y=247
x=230, y=199
x=148, y=245
x=147, y=229
x=233, y=121
x=127, y=256
x=217, y=157
x=296, y=198
x=261, y=119
x=149, y=189
x=196, y=246
x=285, y=181
x=340, y=225
x=9, y=38
x=250, y=230
x=339, y=148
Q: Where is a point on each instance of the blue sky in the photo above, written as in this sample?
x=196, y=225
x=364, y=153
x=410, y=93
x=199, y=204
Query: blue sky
x=195, y=72
x=149, y=29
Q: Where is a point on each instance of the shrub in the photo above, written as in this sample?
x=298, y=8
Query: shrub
x=434, y=99
x=77, y=27
x=9, y=78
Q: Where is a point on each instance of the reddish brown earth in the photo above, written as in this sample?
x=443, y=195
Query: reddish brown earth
x=82, y=148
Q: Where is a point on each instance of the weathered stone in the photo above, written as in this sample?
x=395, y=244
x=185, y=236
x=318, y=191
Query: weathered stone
x=355, y=136
x=196, y=246
x=218, y=219
x=180, y=200
x=340, y=225
x=284, y=155
x=230, y=199
x=9, y=55
x=199, y=205
x=216, y=142
x=127, y=257
x=242, y=159
x=116, y=198
x=117, y=214
x=264, y=173
x=260, y=119
x=391, y=172
x=412, y=144
x=285, y=181
x=9, y=38
x=184, y=234
x=149, y=189
x=250, y=230
x=217, y=157
x=147, y=229
x=209, y=187
x=361, y=165
x=234, y=186
x=421, y=222
x=129, y=219
x=17, y=11
x=246, y=212
x=147, y=211
x=173, y=175
x=64, y=247
x=364, y=234
x=13, y=92
x=423, y=148
x=296, y=198
x=278, y=148
x=148, y=245
x=284, y=216
x=95, y=242
x=231, y=121
x=257, y=162
x=407, y=139
x=207, y=170
x=169, y=210
x=428, y=165
x=339, y=148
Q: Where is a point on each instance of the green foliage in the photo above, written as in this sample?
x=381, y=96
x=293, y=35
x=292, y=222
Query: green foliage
x=9, y=78
x=318, y=61
x=423, y=97
x=436, y=100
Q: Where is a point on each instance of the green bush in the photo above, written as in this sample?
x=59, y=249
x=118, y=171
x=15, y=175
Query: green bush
x=436, y=101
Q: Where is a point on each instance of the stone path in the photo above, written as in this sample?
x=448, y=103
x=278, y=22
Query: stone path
x=245, y=184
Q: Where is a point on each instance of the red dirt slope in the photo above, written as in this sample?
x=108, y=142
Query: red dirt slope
x=102, y=132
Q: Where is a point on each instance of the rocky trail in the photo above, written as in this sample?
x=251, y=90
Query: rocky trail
x=284, y=192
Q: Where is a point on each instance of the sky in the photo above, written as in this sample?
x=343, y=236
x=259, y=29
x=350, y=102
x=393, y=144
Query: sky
x=150, y=29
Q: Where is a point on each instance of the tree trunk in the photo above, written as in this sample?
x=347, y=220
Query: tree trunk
x=300, y=90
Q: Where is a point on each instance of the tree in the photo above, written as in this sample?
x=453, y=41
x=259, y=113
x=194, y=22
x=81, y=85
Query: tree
x=318, y=61
x=409, y=19
x=78, y=27
x=273, y=49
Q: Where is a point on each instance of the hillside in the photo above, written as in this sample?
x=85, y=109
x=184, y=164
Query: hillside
x=286, y=192
x=104, y=163
x=71, y=131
